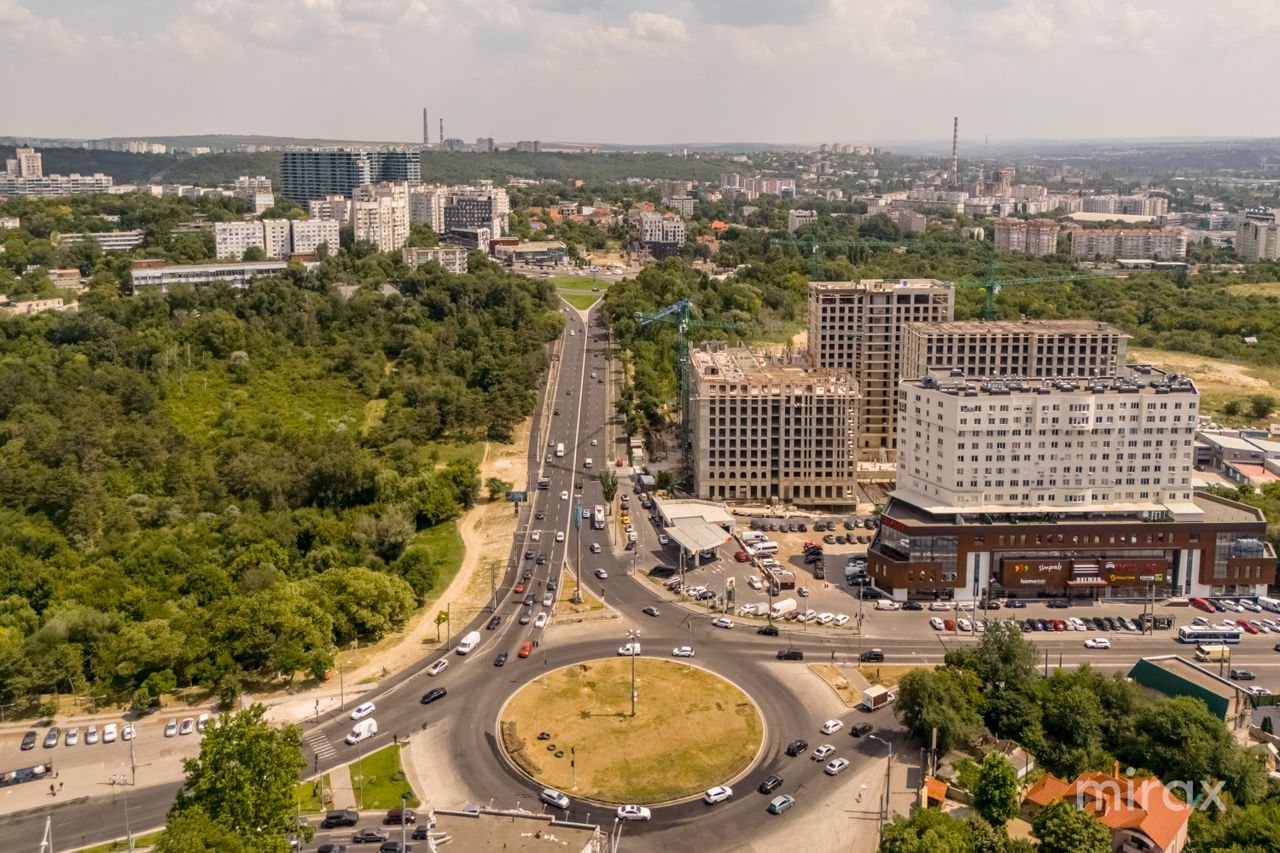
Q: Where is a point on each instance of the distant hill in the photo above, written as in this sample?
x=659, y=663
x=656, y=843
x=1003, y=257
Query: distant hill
x=208, y=170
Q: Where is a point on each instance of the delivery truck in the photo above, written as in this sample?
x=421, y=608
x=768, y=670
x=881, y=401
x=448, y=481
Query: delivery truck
x=782, y=608
x=876, y=696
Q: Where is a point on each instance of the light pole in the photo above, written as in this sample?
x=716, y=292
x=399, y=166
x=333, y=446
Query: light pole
x=884, y=812
x=404, y=798
x=633, y=640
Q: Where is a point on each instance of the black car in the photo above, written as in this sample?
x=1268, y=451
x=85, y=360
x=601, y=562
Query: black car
x=1026, y=626
x=542, y=559
x=1058, y=604
x=802, y=528
x=420, y=832
x=433, y=695
x=369, y=835
x=912, y=605
x=528, y=573
x=860, y=729
x=528, y=600
x=770, y=784
x=810, y=559
x=528, y=555
x=650, y=611
x=494, y=623
x=1242, y=675
x=872, y=656
x=29, y=740
x=556, y=412
x=796, y=747
x=397, y=816
x=51, y=737
x=790, y=654
x=849, y=525
x=501, y=659
x=1032, y=624
x=1276, y=647
x=842, y=539
x=770, y=631
x=340, y=817
x=395, y=847
x=539, y=515
x=551, y=586
x=332, y=848
x=1015, y=604
x=993, y=605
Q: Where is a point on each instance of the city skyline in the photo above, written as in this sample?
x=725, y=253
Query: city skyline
x=902, y=68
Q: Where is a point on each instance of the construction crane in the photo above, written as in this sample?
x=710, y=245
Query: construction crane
x=992, y=286
x=678, y=315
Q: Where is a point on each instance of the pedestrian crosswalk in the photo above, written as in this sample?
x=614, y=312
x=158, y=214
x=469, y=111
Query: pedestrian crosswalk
x=319, y=744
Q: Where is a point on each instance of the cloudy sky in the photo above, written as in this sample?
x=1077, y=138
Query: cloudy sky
x=621, y=71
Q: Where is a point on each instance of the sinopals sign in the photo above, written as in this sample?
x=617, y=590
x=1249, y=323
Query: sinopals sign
x=1025, y=572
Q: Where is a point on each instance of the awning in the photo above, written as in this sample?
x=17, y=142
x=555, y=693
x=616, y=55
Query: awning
x=1085, y=582
x=698, y=536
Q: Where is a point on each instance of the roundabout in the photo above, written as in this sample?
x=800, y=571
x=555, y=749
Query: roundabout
x=572, y=729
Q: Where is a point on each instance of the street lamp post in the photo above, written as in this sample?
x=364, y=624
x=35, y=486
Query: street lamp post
x=404, y=799
x=888, y=768
x=633, y=638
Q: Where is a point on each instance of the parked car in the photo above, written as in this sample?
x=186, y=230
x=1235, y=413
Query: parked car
x=29, y=740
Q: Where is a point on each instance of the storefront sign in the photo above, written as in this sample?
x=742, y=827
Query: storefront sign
x=1015, y=572
x=1143, y=570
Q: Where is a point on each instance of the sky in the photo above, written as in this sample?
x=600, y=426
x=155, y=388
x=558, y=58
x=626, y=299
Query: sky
x=665, y=71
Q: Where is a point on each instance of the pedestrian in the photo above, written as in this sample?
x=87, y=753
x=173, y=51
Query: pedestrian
x=53, y=792
x=60, y=784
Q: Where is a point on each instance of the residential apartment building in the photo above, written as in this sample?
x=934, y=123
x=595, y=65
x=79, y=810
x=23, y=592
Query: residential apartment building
x=1070, y=486
x=661, y=234
x=1026, y=236
x=1149, y=206
x=1156, y=243
x=1258, y=236
x=277, y=237
x=527, y=146
x=383, y=221
x=25, y=163
x=31, y=306
x=55, y=186
x=858, y=326
x=797, y=218
x=681, y=204
x=233, y=239
x=306, y=235
x=255, y=192
x=109, y=241
x=452, y=258
x=766, y=429
x=1027, y=348
x=330, y=207
x=426, y=207
x=315, y=174
x=481, y=206
x=155, y=273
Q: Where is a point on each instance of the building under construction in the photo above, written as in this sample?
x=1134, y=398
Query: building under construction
x=771, y=428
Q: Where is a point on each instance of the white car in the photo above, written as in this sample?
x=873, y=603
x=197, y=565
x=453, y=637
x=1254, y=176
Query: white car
x=202, y=723
x=188, y=726
x=1078, y=623
x=595, y=547
x=886, y=604
x=810, y=615
x=559, y=535
x=91, y=735
x=593, y=441
x=535, y=536
x=363, y=710
x=682, y=652
x=1201, y=621
x=633, y=813
x=754, y=582
x=965, y=605
x=1252, y=606
x=73, y=737
x=841, y=619
x=964, y=624
x=718, y=794
x=438, y=667
x=629, y=650
x=564, y=495
x=830, y=727
x=1228, y=604
x=835, y=766
x=939, y=605
x=936, y=624
x=629, y=528
x=128, y=732
x=1262, y=629
x=171, y=728
x=109, y=733
x=1258, y=690
x=722, y=622
x=602, y=574
x=979, y=625
x=1097, y=643
x=663, y=539
x=822, y=752
x=540, y=621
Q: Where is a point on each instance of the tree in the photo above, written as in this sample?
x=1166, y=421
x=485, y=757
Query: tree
x=1261, y=405
x=1005, y=657
x=926, y=831
x=996, y=797
x=255, y=253
x=1267, y=726
x=194, y=831
x=1231, y=408
x=1061, y=828
x=609, y=486
x=243, y=781
x=945, y=699
x=497, y=488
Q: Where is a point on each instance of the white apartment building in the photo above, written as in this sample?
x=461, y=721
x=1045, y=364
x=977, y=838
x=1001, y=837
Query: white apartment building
x=1026, y=236
x=383, y=221
x=857, y=326
x=56, y=186
x=1159, y=244
x=306, y=235
x=452, y=258
x=764, y=428
x=108, y=241
x=797, y=218
x=330, y=207
x=25, y=163
x=681, y=204
x=255, y=192
x=148, y=273
x=426, y=207
x=277, y=237
x=232, y=239
x=1026, y=348
x=1258, y=236
x=1097, y=444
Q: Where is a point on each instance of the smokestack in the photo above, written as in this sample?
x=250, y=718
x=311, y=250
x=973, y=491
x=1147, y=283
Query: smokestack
x=426, y=129
x=955, y=152
x=441, y=131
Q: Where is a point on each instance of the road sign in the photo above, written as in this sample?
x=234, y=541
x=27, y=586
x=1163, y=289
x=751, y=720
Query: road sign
x=728, y=583
x=518, y=497
x=577, y=513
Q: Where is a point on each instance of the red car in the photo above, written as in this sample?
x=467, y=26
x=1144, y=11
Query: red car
x=1244, y=623
x=519, y=587
x=1059, y=625
x=526, y=648
x=949, y=624
x=1201, y=604
x=741, y=556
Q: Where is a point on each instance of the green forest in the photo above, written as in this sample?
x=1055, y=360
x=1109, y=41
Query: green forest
x=212, y=487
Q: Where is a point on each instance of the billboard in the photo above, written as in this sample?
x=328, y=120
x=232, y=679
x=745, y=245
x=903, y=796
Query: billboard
x=1136, y=570
x=1030, y=572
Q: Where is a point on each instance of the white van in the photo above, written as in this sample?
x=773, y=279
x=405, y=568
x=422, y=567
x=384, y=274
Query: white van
x=469, y=642
x=586, y=463
x=767, y=548
x=363, y=710
x=751, y=537
x=363, y=730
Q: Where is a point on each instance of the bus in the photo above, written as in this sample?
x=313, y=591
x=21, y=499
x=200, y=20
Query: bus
x=1211, y=634
x=1272, y=604
x=597, y=517
x=1212, y=651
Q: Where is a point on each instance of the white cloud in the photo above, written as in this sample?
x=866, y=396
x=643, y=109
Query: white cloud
x=651, y=26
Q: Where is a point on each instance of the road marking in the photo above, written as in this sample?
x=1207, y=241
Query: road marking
x=320, y=745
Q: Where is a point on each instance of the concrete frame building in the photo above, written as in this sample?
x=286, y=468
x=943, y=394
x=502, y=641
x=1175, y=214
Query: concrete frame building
x=662, y=235
x=56, y=186
x=767, y=429
x=314, y=174
x=426, y=207
x=277, y=237
x=1026, y=236
x=25, y=163
x=452, y=258
x=232, y=239
x=1258, y=236
x=858, y=326
x=109, y=241
x=155, y=273
x=1062, y=487
x=1027, y=348
x=306, y=235
x=482, y=206
x=383, y=221
x=1157, y=243
x=796, y=218
x=255, y=192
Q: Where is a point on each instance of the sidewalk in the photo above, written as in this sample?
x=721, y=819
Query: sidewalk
x=110, y=777
x=344, y=794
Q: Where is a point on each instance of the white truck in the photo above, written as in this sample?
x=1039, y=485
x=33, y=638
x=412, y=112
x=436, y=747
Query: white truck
x=363, y=730
x=876, y=696
x=560, y=451
x=469, y=642
x=782, y=607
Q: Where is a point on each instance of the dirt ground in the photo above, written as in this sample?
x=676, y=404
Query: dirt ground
x=1211, y=375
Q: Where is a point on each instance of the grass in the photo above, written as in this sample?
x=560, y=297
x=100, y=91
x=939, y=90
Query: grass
x=445, y=546
x=889, y=676
x=308, y=795
x=692, y=730
x=581, y=301
x=579, y=283
x=590, y=601
x=140, y=842
x=1261, y=288
x=383, y=781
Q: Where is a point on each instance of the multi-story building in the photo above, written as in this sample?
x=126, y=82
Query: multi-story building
x=315, y=174
x=1026, y=236
x=426, y=206
x=768, y=429
x=858, y=326
x=25, y=163
x=1027, y=348
x=681, y=204
x=233, y=239
x=527, y=146
x=483, y=206
x=452, y=258
x=484, y=144
x=155, y=273
x=1156, y=243
x=277, y=237
x=255, y=192
x=330, y=207
x=383, y=221
x=663, y=235
x=108, y=241
x=1258, y=236
x=1063, y=486
x=536, y=253
x=306, y=235
x=56, y=186
x=797, y=218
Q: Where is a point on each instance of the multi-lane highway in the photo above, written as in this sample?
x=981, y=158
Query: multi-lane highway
x=573, y=411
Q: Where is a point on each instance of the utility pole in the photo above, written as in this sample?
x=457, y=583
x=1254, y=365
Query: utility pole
x=133, y=766
x=128, y=830
x=888, y=768
x=633, y=638
x=448, y=626
x=404, y=798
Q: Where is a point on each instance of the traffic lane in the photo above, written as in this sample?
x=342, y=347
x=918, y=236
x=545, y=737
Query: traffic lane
x=90, y=821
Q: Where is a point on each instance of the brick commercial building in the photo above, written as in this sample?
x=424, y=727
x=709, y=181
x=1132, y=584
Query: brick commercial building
x=1077, y=487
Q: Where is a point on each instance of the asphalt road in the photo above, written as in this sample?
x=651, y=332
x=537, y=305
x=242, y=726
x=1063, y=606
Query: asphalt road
x=477, y=688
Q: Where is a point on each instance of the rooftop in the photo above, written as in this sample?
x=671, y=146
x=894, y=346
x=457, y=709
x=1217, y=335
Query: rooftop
x=1120, y=802
x=880, y=284
x=1139, y=377
x=1211, y=509
x=1229, y=442
x=1012, y=327
x=717, y=362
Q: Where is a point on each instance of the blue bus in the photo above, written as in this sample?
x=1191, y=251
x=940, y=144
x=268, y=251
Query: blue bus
x=1210, y=634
